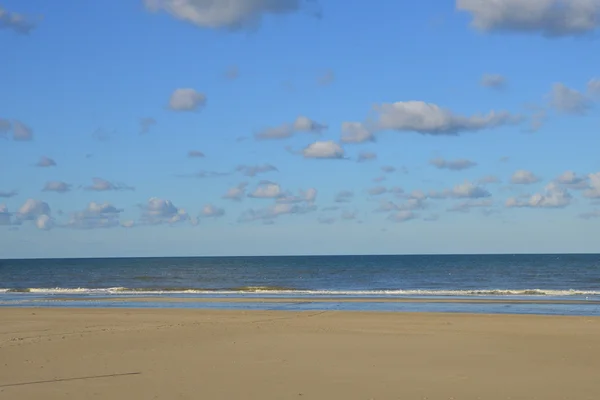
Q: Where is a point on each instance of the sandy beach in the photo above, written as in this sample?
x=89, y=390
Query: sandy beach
x=198, y=354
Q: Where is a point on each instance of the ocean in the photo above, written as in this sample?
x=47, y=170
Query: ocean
x=542, y=284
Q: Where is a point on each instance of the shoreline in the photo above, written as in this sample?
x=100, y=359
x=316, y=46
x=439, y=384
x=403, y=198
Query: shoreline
x=61, y=353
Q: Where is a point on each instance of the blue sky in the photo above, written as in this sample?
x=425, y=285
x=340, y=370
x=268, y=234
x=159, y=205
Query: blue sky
x=191, y=127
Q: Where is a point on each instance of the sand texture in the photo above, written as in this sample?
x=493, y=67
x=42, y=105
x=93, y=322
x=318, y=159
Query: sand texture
x=199, y=354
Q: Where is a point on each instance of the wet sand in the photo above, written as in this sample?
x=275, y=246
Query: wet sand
x=69, y=353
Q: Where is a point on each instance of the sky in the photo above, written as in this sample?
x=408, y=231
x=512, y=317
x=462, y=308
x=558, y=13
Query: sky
x=283, y=127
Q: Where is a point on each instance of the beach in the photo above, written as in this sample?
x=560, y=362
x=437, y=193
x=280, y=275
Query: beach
x=122, y=353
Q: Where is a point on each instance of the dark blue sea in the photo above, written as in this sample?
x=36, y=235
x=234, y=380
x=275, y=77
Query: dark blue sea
x=571, y=282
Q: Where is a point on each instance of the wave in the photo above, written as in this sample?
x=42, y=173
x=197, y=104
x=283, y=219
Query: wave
x=282, y=291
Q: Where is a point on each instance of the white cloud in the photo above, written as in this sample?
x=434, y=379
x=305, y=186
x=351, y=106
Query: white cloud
x=21, y=132
x=301, y=124
x=274, y=211
x=95, y=215
x=377, y=190
x=129, y=223
x=56, y=186
x=453, y=165
x=267, y=190
x=308, y=196
x=489, y=179
x=388, y=169
x=326, y=78
x=550, y=18
x=37, y=211
x=158, y=211
x=223, y=14
x=210, y=210
x=593, y=86
x=253, y=170
x=586, y=215
x=402, y=216
x=8, y=194
x=326, y=149
x=364, y=156
x=428, y=118
x=101, y=185
x=571, y=180
x=45, y=162
x=569, y=101
x=44, y=222
x=146, y=123
x=594, y=186
x=16, y=22
x=494, y=81
x=236, y=193
x=469, y=190
x=356, y=132
x=523, y=177
x=553, y=197
x=5, y=127
x=466, y=206
x=195, y=154
x=344, y=196
x=186, y=99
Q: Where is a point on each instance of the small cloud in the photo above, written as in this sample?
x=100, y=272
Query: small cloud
x=210, y=210
x=308, y=196
x=453, y=165
x=571, y=180
x=569, y=101
x=232, y=73
x=101, y=185
x=327, y=78
x=356, y=132
x=102, y=135
x=45, y=162
x=377, y=190
x=287, y=130
x=344, y=196
x=349, y=215
x=593, y=87
x=5, y=216
x=207, y=174
x=8, y=194
x=548, y=18
x=388, y=169
x=56, y=186
x=327, y=149
x=587, y=215
x=36, y=211
x=236, y=15
x=18, y=23
x=195, y=154
x=236, y=193
x=465, y=190
x=186, y=99
x=431, y=119
x=94, y=216
x=594, y=186
x=402, y=216
x=267, y=190
x=145, y=124
x=5, y=127
x=553, y=197
x=21, y=132
x=466, y=206
x=253, y=170
x=364, y=156
x=493, y=81
x=159, y=211
x=489, y=179
x=504, y=159
x=523, y=177
x=274, y=211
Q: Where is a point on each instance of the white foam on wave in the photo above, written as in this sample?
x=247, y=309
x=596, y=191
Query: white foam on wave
x=323, y=293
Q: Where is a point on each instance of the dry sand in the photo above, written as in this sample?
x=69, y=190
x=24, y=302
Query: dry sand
x=198, y=354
